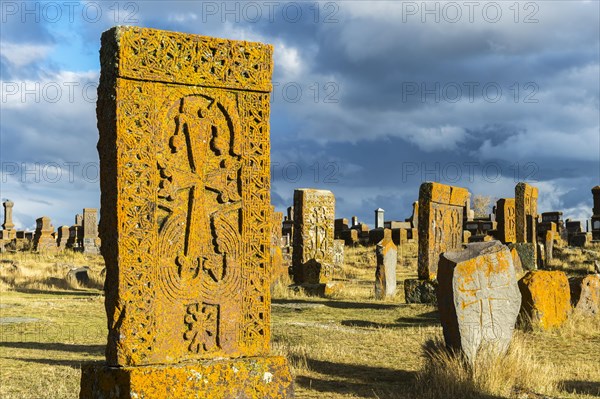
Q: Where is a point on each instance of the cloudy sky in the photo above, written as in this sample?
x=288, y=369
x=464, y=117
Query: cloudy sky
x=370, y=98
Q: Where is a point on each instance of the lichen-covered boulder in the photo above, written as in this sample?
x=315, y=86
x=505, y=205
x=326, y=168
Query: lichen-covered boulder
x=546, y=298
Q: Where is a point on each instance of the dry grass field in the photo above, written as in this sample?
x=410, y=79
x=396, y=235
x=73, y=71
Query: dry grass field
x=348, y=346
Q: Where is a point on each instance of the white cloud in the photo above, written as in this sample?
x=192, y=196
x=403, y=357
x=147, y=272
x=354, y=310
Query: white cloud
x=20, y=54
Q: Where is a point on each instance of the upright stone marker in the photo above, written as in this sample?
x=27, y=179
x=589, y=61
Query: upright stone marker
x=314, y=212
x=596, y=214
x=8, y=231
x=525, y=212
x=90, y=231
x=385, y=274
x=440, y=224
x=185, y=228
x=505, y=216
x=63, y=237
x=42, y=239
x=478, y=297
x=379, y=218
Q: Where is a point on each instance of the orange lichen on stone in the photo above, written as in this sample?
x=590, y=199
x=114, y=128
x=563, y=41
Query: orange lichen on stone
x=478, y=297
x=546, y=298
x=185, y=204
x=251, y=378
x=441, y=209
x=314, y=218
x=525, y=212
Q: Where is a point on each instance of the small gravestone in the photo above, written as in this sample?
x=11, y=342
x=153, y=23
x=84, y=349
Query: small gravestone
x=314, y=212
x=79, y=275
x=43, y=241
x=385, y=274
x=478, y=297
x=546, y=298
x=585, y=294
x=338, y=253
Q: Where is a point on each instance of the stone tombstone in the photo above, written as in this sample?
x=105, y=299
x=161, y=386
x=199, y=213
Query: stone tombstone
x=440, y=224
x=79, y=219
x=277, y=264
x=379, y=216
x=414, y=217
x=546, y=298
x=585, y=294
x=290, y=213
x=525, y=212
x=338, y=253
x=340, y=225
x=63, y=237
x=314, y=212
x=90, y=230
x=75, y=237
x=8, y=227
x=42, y=239
x=185, y=227
x=354, y=221
x=596, y=214
x=420, y=291
x=478, y=297
x=505, y=217
x=385, y=273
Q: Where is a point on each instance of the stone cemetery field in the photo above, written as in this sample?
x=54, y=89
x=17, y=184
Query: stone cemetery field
x=348, y=345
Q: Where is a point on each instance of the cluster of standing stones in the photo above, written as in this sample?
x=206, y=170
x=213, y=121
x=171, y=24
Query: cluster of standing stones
x=192, y=243
x=82, y=236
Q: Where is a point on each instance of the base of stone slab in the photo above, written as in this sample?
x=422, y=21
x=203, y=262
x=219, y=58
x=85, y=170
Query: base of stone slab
x=248, y=378
x=323, y=290
x=420, y=291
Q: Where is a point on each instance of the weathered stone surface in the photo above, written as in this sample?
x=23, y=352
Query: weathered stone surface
x=340, y=225
x=516, y=260
x=338, y=253
x=253, y=377
x=75, y=240
x=277, y=264
x=42, y=239
x=546, y=298
x=350, y=237
x=440, y=224
x=385, y=273
x=185, y=227
x=585, y=294
x=90, y=231
x=478, y=297
x=63, y=237
x=420, y=291
x=314, y=212
x=526, y=216
x=596, y=213
x=79, y=275
x=527, y=254
x=505, y=217
x=377, y=235
x=8, y=227
x=379, y=218
x=579, y=240
x=549, y=246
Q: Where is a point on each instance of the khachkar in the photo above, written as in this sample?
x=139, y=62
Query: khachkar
x=505, y=216
x=526, y=197
x=314, y=214
x=43, y=241
x=596, y=214
x=8, y=231
x=90, y=231
x=185, y=229
x=441, y=209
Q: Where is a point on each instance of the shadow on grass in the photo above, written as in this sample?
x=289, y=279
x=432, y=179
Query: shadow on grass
x=76, y=364
x=55, y=292
x=359, y=380
x=427, y=319
x=582, y=387
x=55, y=346
x=341, y=304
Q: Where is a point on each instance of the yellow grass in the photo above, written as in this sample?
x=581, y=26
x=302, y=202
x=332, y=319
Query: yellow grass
x=349, y=346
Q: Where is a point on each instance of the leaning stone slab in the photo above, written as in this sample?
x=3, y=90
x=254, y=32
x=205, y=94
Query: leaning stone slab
x=546, y=298
x=478, y=297
x=585, y=294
